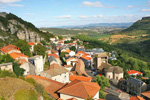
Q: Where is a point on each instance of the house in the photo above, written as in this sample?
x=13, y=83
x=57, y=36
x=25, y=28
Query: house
x=69, y=61
x=135, y=86
x=133, y=72
x=52, y=39
x=23, y=61
x=81, y=78
x=9, y=49
x=6, y=66
x=56, y=57
x=99, y=59
x=136, y=98
x=68, y=67
x=37, y=62
x=52, y=60
x=31, y=46
x=80, y=90
x=50, y=86
x=146, y=95
x=57, y=73
x=87, y=59
x=113, y=72
x=54, y=52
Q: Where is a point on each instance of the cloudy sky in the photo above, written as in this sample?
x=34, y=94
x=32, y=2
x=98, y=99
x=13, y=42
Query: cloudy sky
x=52, y=13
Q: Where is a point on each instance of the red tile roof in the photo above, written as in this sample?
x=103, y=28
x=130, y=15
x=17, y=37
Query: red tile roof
x=136, y=98
x=8, y=48
x=17, y=55
x=30, y=43
x=146, y=94
x=54, y=55
x=54, y=51
x=22, y=61
x=81, y=78
x=133, y=72
x=50, y=86
x=80, y=89
x=81, y=52
x=86, y=57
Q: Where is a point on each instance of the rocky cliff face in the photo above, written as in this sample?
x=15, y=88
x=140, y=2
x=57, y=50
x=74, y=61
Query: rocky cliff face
x=14, y=27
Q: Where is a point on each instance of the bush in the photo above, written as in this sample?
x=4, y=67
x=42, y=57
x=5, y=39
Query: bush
x=4, y=73
x=102, y=94
x=31, y=81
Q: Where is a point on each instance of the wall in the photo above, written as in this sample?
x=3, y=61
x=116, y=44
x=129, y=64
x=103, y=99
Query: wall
x=65, y=96
x=63, y=78
x=26, y=67
x=96, y=96
x=120, y=75
x=107, y=74
x=38, y=64
x=7, y=67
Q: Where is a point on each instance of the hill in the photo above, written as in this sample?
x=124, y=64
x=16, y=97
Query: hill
x=140, y=27
x=12, y=88
x=13, y=28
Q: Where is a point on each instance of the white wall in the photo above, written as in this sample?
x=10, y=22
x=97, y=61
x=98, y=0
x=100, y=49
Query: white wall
x=63, y=78
x=25, y=66
x=38, y=64
x=96, y=96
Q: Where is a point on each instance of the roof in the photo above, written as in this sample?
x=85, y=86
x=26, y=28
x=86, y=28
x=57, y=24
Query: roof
x=104, y=65
x=54, y=55
x=31, y=43
x=8, y=48
x=22, y=61
x=51, y=59
x=49, y=85
x=102, y=54
x=133, y=72
x=114, y=69
x=84, y=90
x=136, y=98
x=55, y=70
x=17, y=55
x=81, y=78
x=68, y=51
x=54, y=51
x=71, y=59
x=86, y=58
x=5, y=64
x=135, y=81
x=81, y=52
x=146, y=94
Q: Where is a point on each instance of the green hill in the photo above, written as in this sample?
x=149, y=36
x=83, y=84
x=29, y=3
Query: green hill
x=140, y=27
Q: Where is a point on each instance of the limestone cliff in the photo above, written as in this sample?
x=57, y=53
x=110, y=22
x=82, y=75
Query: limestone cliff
x=10, y=24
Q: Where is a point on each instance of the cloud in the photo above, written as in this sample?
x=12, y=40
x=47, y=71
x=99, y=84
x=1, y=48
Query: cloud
x=29, y=14
x=8, y=1
x=145, y=10
x=129, y=6
x=64, y=16
x=92, y=4
x=97, y=16
x=15, y=5
x=82, y=16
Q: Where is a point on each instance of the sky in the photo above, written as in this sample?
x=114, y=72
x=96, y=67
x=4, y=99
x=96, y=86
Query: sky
x=54, y=13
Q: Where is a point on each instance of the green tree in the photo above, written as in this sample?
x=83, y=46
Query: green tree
x=73, y=48
x=43, y=42
x=102, y=94
x=102, y=81
x=4, y=73
x=24, y=47
x=60, y=37
x=39, y=50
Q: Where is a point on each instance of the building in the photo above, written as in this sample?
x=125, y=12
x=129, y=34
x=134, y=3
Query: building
x=81, y=78
x=70, y=60
x=136, y=98
x=87, y=59
x=113, y=72
x=135, y=86
x=56, y=58
x=6, y=66
x=52, y=60
x=146, y=95
x=57, y=73
x=133, y=72
x=80, y=90
x=9, y=49
x=99, y=59
x=37, y=63
x=31, y=46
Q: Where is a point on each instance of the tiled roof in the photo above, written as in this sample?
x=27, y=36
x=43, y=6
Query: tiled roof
x=68, y=51
x=71, y=59
x=86, y=57
x=17, y=55
x=136, y=98
x=134, y=72
x=81, y=52
x=54, y=51
x=8, y=48
x=30, y=43
x=146, y=94
x=81, y=78
x=80, y=89
x=55, y=70
x=54, y=55
x=49, y=85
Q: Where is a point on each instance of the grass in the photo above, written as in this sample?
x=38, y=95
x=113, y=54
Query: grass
x=25, y=95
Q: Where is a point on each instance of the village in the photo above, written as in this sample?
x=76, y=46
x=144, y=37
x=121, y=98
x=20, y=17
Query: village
x=72, y=71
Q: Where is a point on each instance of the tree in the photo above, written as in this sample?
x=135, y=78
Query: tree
x=24, y=47
x=39, y=50
x=73, y=48
x=102, y=94
x=43, y=42
x=60, y=37
x=102, y=81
